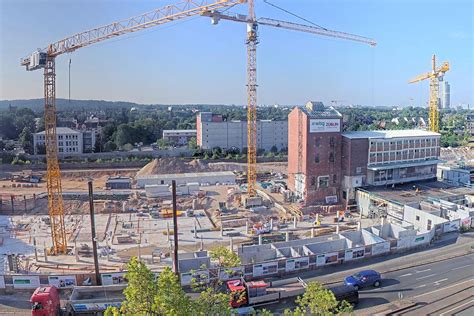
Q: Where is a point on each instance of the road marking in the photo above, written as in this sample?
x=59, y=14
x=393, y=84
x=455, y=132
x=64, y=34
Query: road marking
x=426, y=276
x=444, y=288
x=439, y=281
x=408, y=274
x=423, y=271
x=457, y=307
x=420, y=286
x=467, y=265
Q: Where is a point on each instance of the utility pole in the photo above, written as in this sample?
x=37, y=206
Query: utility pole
x=175, y=230
x=94, y=239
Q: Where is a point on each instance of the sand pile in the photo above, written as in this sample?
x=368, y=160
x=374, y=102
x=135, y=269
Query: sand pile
x=172, y=165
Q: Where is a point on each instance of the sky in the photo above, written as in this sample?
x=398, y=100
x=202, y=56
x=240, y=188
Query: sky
x=192, y=61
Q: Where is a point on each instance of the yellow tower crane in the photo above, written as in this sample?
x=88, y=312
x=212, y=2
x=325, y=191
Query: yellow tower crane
x=435, y=76
x=45, y=59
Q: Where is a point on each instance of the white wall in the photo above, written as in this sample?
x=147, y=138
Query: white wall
x=420, y=218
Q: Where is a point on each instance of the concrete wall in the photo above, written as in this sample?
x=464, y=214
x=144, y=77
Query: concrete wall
x=420, y=219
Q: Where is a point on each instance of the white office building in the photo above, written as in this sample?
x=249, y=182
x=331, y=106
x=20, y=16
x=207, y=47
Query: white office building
x=213, y=131
x=446, y=95
x=69, y=141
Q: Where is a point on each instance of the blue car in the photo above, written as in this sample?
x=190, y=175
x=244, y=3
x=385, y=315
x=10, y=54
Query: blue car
x=364, y=279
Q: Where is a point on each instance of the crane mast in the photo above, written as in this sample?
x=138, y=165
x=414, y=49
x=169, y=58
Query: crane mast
x=252, y=42
x=46, y=59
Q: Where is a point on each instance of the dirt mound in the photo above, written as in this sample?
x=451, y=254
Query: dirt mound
x=172, y=165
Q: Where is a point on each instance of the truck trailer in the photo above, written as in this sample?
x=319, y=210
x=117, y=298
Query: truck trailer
x=246, y=293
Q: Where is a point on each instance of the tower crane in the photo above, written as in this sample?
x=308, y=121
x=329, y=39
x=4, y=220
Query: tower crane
x=252, y=41
x=435, y=76
x=45, y=59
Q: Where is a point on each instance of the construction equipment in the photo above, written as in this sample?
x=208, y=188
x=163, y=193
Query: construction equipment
x=435, y=76
x=46, y=59
x=252, y=41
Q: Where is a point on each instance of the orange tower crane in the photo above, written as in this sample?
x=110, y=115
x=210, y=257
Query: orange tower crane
x=252, y=41
x=435, y=76
x=46, y=59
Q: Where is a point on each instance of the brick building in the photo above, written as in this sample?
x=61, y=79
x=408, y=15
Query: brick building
x=314, y=153
x=325, y=165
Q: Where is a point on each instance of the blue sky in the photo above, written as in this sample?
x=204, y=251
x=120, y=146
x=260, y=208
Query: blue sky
x=194, y=62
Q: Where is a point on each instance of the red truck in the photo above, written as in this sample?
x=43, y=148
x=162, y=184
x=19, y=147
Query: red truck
x=245, y=293
x=45, y=301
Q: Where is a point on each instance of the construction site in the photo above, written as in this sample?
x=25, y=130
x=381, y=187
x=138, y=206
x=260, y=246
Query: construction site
x=340, y=196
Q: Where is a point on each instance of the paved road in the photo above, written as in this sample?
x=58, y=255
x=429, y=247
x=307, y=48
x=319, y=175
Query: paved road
x=409, y=283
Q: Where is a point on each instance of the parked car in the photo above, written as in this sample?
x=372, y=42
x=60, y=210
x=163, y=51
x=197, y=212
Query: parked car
x=364, y=279
x=345, y=293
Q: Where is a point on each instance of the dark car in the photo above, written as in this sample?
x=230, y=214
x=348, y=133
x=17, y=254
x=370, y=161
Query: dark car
x=364, y=279
x=345, y=293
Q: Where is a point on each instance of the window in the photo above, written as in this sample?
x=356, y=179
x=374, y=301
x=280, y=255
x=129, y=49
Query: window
x=323, y=181
x=313, y=181
x=332, y=141
x=316, y=158
x=334, y=179
x=428, y=226
x=317, y=141
x=359, y=170
x=417, y=218
x=331, y=157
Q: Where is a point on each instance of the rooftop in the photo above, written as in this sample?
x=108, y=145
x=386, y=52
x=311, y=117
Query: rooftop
x=179, y=131
x=61, y=130
x=389, y=134
x=407, y=194
x=316, y=109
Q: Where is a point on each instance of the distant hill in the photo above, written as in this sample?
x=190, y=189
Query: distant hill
x=64, y=104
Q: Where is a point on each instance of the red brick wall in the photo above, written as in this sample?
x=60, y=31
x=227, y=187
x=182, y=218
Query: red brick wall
x=198, y=130
x=354, y=154
x=293, y=145
x=320, y=144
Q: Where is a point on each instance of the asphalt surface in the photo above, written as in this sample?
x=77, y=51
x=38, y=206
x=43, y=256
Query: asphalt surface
x=405, y=284
x=409, y=283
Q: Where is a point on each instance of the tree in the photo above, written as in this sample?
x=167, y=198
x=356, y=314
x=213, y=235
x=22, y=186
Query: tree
x=110, y=146
x=192, y=143
x=2, y=145
x=26, y=140
x=127, y=147
x=145, y=296
x=317, y=300
x=274, y=149
x=212, y=302
x=225, y=257
x=163, y=143
x=141, y=289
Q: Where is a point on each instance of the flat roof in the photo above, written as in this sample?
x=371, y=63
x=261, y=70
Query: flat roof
x=179, y=131
x=61, y=130
x=319, y=110
x=389, y=134
x=187, y=175
x=406, y=193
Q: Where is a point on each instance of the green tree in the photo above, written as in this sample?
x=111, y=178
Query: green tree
x=26, y=140
x=127, y=147
x=192, y=143
x=110, y=146
x=319, y=301
x=163, y=143
x=141, y=289
x=224, y=257
x=274, y=149
x=212, y=302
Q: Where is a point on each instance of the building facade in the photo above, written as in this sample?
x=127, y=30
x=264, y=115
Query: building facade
x=314, y=154
x=326, y=165
x=446, y=95
x=470, y=126
x=214, y=131
x=179, y=136
x=69, y=141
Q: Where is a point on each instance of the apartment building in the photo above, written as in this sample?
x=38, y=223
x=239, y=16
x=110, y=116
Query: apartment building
x=179, y=136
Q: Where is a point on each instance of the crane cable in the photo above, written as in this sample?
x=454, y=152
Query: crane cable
x=293, y=14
